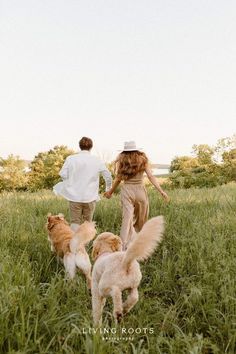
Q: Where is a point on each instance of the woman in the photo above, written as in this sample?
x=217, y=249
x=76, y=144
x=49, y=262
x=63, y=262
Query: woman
x=130, y=166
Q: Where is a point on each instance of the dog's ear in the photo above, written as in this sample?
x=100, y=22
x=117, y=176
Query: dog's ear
x=60, y=216
x=49, y=221
x=116, y=243
x=95, y=251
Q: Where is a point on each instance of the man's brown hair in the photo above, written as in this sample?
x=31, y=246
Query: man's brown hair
x=85, y=143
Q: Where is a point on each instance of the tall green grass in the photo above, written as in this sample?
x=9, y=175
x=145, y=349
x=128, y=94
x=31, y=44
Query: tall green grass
x=187, y=294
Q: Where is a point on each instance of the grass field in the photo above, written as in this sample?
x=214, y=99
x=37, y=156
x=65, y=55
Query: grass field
x=187, y=294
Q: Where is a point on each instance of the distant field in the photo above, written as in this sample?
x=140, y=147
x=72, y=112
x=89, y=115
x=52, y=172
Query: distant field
x=187, y=294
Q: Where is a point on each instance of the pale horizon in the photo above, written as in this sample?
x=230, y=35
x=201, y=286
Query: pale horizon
x=160, y=73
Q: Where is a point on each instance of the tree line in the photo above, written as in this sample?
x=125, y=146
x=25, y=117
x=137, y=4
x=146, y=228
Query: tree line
x=207, y=166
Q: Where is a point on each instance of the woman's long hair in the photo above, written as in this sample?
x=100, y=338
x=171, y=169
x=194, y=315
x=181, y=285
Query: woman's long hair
x=129, y=163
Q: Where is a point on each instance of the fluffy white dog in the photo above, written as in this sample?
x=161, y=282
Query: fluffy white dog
x=115, y=270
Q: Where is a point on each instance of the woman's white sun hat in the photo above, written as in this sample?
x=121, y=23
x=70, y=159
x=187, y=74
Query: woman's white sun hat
x=130, y=146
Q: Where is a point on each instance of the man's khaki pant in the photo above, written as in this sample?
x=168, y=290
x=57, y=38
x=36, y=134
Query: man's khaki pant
x=80, y=212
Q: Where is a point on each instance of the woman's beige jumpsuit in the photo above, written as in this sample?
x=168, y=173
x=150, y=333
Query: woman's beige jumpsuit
x=135, y=207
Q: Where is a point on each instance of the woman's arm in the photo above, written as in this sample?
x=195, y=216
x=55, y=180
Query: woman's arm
x=115, y=184
x=153, y=180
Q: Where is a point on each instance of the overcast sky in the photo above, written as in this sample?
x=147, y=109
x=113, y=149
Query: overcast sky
x=162, y=73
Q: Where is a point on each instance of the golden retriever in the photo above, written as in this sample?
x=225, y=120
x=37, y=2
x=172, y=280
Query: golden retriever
x=115, y=270
x=70, y=245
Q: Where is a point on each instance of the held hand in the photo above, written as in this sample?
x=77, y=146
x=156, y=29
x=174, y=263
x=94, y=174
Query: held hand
x=107, y=195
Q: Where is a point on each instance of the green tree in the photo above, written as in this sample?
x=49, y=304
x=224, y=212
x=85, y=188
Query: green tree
x=13, y=175
x=204, y=154
x=229, y=164
x=204, y=170
x=45, y=167
x=224, y=145
x=183, y=162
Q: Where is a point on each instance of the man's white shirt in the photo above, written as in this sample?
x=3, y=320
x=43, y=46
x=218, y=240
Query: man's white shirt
x=80, y=174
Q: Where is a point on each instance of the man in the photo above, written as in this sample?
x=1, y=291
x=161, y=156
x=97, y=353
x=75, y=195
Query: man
x=80, y=186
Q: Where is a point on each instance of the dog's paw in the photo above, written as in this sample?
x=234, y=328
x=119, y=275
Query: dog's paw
x=89, y=285
x=118, y=316
x=125, y=310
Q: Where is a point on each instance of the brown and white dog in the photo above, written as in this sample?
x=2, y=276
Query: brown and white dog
x=70, y=245
x=115, y=270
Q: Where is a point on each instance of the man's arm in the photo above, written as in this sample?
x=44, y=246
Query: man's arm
x=106, y=174
x=64, y=172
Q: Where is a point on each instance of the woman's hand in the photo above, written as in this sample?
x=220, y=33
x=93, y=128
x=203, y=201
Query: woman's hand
x=155, y=183
x=107, y=194
x=165, y=196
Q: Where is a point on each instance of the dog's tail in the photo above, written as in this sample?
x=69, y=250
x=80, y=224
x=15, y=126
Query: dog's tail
x=85, y=233
x=145, y=242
